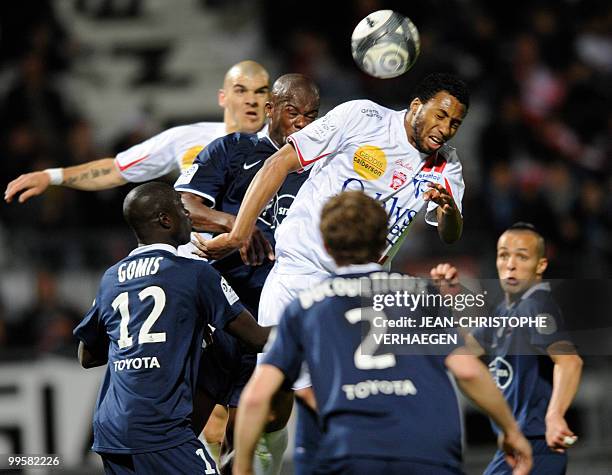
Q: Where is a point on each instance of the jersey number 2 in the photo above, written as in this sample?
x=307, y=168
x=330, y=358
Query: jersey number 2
x=144, y=336
x=369, y=361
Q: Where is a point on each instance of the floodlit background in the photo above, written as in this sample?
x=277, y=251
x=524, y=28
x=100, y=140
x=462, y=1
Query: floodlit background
x=85, y=79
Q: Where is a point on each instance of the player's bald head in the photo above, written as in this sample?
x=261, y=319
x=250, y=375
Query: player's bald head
x=246, y=68
x=288, y=85
x=143, y=206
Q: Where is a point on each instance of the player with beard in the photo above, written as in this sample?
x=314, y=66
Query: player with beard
x=398, y=157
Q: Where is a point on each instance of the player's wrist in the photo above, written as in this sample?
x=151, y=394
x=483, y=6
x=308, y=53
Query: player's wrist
x=551, y=415
x=56, y=175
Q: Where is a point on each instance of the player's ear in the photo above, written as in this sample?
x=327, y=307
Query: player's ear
x=541, y=267
x=414, y=105
x=164, y=220
x=268, y=109
x=221, y=98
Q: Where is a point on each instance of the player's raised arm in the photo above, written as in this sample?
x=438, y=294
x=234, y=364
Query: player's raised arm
x=476, y=383
x=261, y=190
x=91, y=176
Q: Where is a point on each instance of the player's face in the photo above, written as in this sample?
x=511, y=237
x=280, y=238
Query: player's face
x=244, y=98
x=519, y=265
x=433, y=123
x=290, y=115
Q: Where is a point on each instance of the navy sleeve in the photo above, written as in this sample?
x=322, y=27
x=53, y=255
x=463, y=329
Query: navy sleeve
x=208, y=174
x=219, y=300
x=286, y=350
x=91, y=330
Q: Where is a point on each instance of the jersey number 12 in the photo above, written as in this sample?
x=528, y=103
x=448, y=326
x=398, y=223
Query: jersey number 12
x=144, y=336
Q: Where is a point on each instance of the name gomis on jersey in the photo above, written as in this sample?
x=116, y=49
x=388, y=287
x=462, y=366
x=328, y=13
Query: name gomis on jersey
x=138, y=268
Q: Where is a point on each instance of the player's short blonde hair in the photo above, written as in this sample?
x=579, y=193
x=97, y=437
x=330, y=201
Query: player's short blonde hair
x=354, y=228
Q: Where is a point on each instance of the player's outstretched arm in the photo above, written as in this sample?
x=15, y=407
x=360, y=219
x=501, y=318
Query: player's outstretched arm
x=261, y=190
x=566, y=379
x=91, y=176
x=253, y=413
x=206, y=219
x=476, y=383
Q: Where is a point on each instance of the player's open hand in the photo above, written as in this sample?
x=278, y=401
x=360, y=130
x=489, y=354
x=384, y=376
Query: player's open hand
x=28, y=185
x=559, y=437
x=440, y=195
x=216, y=248
x=518, y=452
x=256, y=249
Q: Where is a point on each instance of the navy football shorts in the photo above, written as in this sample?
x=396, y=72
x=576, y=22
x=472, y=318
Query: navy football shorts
x=189, y=458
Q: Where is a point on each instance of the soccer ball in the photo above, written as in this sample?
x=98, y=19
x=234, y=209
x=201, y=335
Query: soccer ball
x=385, y=44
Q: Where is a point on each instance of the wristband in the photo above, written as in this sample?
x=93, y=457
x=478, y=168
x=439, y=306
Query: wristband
x=56, y=175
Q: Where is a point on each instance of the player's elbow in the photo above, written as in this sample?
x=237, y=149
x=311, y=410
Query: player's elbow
x=465, y=368
x=252, y=400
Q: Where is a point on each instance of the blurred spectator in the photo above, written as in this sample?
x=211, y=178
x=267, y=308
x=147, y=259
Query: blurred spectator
x=46, y=325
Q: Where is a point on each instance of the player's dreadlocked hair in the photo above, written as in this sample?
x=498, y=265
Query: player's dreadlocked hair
x=354, y=228
x=436, y=82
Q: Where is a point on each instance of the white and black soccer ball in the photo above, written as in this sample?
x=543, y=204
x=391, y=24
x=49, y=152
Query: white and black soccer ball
x=385, y=44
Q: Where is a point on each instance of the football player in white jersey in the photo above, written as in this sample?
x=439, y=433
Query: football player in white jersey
x=398, y=157
x=243, y=97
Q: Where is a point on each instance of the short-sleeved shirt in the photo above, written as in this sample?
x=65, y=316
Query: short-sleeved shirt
x=360, y=145
x=170, y=150
x=403, y=408
x=518, y=358
x=152, y=307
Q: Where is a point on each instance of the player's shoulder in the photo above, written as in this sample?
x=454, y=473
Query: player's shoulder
x=539, y=299
x=236, y=140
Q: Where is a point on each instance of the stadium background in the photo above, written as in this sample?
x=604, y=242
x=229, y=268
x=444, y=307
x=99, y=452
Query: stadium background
x=84, y=79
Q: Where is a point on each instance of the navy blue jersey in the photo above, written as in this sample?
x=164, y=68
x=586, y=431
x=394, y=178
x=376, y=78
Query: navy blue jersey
x=518, y=359
x=223, y=171
x=152, y=306
x=389, y=406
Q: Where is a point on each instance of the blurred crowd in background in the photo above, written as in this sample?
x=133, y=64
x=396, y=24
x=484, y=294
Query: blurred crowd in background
x=537, y=144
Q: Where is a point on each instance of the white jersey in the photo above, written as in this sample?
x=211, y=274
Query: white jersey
x=360, y=145
x=172, y=149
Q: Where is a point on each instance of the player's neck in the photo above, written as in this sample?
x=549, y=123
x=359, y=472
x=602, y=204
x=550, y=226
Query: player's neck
x=158, y=240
